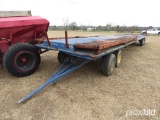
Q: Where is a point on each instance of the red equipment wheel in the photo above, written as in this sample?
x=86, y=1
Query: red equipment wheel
x=21, y=59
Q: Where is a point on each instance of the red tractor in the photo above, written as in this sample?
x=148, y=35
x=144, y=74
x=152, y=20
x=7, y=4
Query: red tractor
x=18, y=34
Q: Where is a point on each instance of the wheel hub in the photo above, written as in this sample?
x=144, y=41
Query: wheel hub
x=24, y=60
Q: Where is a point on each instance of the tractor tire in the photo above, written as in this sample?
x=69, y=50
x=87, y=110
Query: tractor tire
x=62, y=57
x=108, y=65
x=21, y=59
x=118, y=55
x=142, y=42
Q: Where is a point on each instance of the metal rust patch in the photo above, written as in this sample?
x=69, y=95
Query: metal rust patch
x=103, y=44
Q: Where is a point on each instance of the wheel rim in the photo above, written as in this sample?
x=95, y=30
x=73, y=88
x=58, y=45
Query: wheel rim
x=24, y=61
x=112, y=66
x=119, y=57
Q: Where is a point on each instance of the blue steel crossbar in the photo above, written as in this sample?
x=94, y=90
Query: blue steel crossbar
x=61, y=72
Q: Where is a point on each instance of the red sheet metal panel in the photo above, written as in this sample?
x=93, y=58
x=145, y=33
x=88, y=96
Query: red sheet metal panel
x=21, y=29
x=103, y=44
x=22, y=21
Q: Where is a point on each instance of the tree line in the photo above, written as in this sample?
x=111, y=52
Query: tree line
x=109, y=27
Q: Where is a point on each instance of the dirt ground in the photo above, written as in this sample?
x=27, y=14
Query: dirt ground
x=86, y=94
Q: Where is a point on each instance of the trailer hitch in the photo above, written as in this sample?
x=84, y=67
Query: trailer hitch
x=61, y=72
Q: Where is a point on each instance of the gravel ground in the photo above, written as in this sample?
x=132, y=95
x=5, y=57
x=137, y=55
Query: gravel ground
x=87, y=94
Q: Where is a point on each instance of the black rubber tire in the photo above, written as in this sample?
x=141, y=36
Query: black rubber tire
x=159, y=33
x=62, y=57
x=108, y=65
x=142, y=42
x=21, y=59
x=144, y=33
x=118, y=55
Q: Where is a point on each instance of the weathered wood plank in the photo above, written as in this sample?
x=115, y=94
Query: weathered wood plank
x=14, y=13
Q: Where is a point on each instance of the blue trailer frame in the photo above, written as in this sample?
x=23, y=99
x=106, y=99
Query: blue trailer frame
x=80, y=58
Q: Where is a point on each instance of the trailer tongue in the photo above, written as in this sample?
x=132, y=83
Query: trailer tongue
x=61, y=72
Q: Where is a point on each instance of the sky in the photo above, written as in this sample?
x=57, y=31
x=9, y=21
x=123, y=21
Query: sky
x=91, y=12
